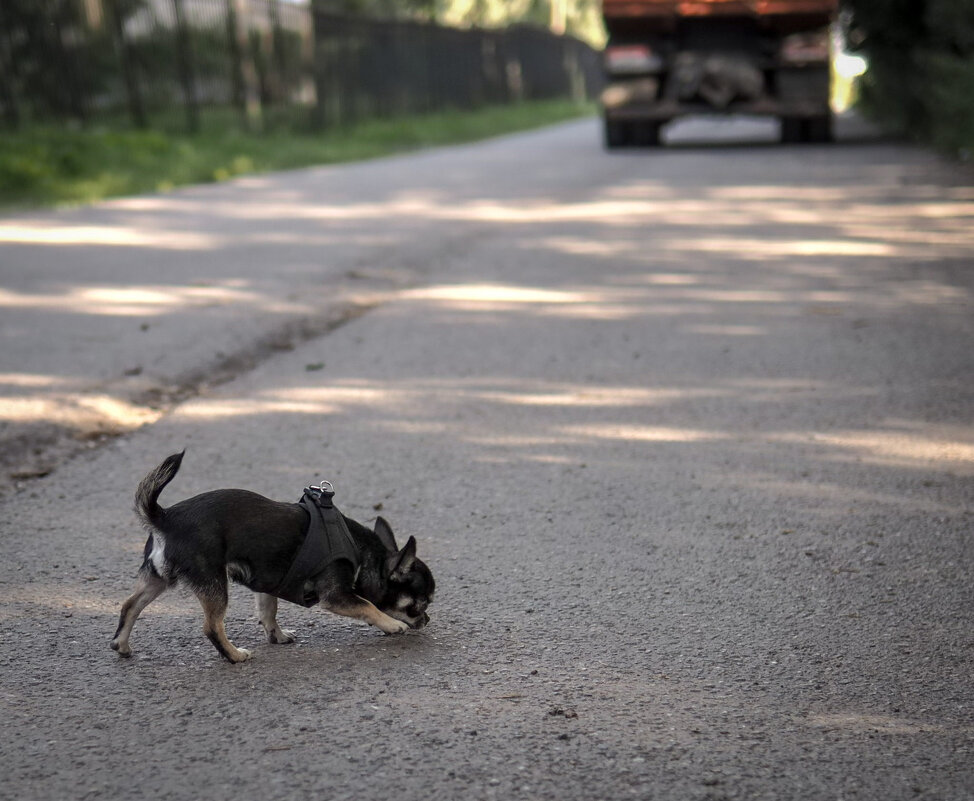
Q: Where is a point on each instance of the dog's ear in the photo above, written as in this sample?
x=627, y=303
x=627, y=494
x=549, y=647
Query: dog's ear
x=384, y=532
x=401, y=562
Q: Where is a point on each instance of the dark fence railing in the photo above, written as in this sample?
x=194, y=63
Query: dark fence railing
x=365, y=68
x=163, y=62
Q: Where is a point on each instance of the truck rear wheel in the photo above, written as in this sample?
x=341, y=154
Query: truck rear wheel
x=632, y=133
x=806, y=129
x=618, y=133
x=646, y=133
x=818, y=129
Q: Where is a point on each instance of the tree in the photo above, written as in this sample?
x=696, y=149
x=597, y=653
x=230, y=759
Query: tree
x=921, y=66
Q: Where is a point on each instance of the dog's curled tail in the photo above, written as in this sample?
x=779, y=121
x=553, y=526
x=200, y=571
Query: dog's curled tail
x=147, y=495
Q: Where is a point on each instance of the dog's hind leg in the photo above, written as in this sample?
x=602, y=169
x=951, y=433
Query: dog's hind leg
x=214, y=603
x=150, y=587
x=267, y=615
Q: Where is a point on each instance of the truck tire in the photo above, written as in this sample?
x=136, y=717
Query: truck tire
x=806, y=129
x=646, y=133
x=791, y=130
x=818, y=129
x=618, y=133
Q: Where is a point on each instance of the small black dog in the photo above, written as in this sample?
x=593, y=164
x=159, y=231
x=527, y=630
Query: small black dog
x=237, y=535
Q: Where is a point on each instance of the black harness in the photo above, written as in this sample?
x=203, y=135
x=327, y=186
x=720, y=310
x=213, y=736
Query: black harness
x=328, y=540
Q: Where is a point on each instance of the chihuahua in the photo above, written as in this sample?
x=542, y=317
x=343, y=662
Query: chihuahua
x=306, y=552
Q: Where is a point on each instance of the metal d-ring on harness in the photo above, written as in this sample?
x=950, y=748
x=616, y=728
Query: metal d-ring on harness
x=328, y=540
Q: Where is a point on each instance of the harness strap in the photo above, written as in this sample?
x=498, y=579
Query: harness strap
x=328, y=540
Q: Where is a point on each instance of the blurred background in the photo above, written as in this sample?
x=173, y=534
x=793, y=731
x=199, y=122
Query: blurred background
x=156, y=62
x=194, y=78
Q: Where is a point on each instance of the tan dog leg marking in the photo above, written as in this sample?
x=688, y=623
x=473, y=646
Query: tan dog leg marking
x=267, y=615
x=360, y=609
x=146, y=591
x=214, y=609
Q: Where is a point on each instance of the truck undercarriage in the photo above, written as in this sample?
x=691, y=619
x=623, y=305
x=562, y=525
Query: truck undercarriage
x=666, y=59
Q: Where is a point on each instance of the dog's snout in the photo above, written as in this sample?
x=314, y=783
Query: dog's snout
x=421, y=621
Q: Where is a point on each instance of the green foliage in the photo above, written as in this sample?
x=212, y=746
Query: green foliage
x=950, y=101
x=35, y=60
x=583, y=18
x=45, y=166
x=920, y=80
x=379, y=9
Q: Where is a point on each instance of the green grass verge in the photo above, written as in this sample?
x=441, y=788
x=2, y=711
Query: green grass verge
x=44, y=166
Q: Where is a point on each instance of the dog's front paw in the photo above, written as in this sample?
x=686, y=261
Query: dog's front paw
x=281, y=636
x=238, y=655
x=393, y=626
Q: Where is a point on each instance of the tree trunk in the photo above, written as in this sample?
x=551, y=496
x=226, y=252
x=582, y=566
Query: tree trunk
x=244, y=77
x=133, y=92
x=8, y=91
x=185, y=65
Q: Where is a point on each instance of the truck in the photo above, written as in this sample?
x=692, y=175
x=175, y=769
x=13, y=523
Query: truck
x=669, y=58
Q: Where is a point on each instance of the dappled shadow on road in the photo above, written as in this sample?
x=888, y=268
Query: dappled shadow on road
x=602, y=413
x=730, y=249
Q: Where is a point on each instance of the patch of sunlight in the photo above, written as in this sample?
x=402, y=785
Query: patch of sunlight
x=946, y=210
x=606, y=212
x=634, y=433
x=495, y=293
x=953, y=448
x=30, y=380
x=512, y=441
x=574, y=246
x=594, y=397
x=672, y=279
x=947, y=241
x=655, y=279
x=575, y=304
x=417, y=399
x=339, y=393
x=791, y=247
x=26, y=233
x=213, y=409
x=819, y=194
x=82, y=412
x=548, y=458
x=125, y=301
x=604, y=311
x=327, y=400
x=666, y=295
x=322, y=400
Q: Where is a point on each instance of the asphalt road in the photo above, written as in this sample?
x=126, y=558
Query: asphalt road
x=685, y=436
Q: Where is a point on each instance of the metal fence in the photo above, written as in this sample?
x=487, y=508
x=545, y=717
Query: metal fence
x=164, y=62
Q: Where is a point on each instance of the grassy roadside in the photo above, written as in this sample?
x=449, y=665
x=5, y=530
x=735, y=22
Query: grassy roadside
x=56, y=166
